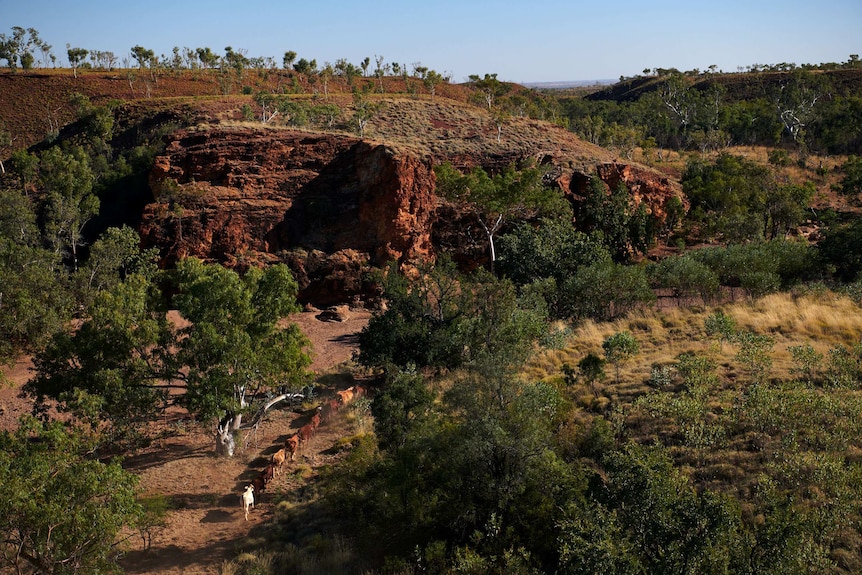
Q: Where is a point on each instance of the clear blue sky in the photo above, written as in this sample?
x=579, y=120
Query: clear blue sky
x=523, y=41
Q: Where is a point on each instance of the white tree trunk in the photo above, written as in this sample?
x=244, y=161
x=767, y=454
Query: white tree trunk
x=225, y=441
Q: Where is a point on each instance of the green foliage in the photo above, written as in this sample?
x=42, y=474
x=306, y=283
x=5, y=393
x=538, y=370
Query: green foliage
x=851, y=183
x=400, y=407
x=443, y=319
x=67, y=182
x=419, y=326
x=105, y=370
x=115, y=256
x=754, y=354
x=741, y=200
x=604, y=291
x=720, y=326
x=551, y=249
x=494, y=200
x=841, y=250
x=119, y=365
x=651, y=520
x=761, y=267
x=619, y=348
x=61, y=509
x=844, y=367
x=35, y=299
x=623, y=227
x=685, y=276
x=592, y=368
x=807, y=362
x=234, y=348
x=724, y=194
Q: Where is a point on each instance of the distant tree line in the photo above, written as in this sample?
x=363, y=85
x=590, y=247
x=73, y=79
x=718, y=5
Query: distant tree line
x=800, y=108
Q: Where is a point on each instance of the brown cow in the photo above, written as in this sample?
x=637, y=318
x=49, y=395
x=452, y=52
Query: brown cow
x=305, y=432
x=268, y=473
x=315, y=420
x=346, y=395
x=278, y=459
x=259, y=486
x=292, y=446
x=360, y=391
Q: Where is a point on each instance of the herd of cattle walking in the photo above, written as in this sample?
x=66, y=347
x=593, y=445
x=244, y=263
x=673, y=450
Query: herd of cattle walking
x=295, y=443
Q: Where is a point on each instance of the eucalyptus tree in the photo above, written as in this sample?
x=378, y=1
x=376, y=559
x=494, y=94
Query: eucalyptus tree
x=494, y=200
x=230, y=357
x=76, y=57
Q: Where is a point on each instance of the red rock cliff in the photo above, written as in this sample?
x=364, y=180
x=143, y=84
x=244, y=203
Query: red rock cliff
x=329, y=205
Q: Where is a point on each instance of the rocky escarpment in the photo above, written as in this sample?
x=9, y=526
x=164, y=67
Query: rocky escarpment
x=331, y=206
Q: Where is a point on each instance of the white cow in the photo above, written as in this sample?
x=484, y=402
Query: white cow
x=247, y=499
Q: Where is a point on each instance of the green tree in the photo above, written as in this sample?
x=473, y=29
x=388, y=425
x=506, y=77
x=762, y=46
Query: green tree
x=67, y=181
x=551, y=248
x=443, y=319
x=619, y=348
x=61, y=509
x=604, y=290
x=35, y=300
x=19, y=48
x=841, y=250
x=720, y=326
x=592, y=369
x=234, y=350
x=494, y=200
x=419, y=326
x=490, y=88
x=667, y=524
x=115, y=256
x=686, y=277
x=120, y=365
x=785, y=208
x=623, y=227
x=754, y=354
x=76, y=57
x=403, y=404
x=143, y=56
x=289, y=59
x=207, y=57
x=851, y=183
x=431, y=80
x=363, y=111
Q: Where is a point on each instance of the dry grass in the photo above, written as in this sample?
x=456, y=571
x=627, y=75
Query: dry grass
x=822, y=319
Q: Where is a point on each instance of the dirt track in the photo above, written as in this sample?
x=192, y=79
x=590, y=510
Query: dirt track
x=205, y=522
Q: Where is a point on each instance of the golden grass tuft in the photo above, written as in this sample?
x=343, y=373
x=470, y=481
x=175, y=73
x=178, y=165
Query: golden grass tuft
x=822, y=319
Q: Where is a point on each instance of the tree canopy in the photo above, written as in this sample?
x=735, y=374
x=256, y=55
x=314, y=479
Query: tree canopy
x=228, y=352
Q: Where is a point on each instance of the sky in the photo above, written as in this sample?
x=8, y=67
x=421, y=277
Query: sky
x=527, y=41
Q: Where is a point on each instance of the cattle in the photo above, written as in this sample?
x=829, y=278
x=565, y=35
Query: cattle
x=247, y=499
x=360, y=391
x=268, y=473
x=292, y=446
x=315, y=420
x=305, y=432
x=278, y=459
x=259, y=485
x=346, y=396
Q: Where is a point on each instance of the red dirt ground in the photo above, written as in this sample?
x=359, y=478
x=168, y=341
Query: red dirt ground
x=205, y=523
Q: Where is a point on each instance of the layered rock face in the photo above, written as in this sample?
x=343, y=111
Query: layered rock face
x=645, y=186
x=330, y=206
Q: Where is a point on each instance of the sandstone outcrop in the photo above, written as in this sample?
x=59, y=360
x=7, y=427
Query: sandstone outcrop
x=328, y=205
x=333, y=207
